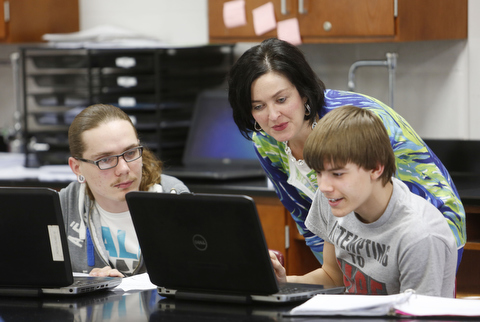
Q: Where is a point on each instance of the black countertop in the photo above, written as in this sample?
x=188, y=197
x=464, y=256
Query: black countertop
x=148, y=306
x=468, y=187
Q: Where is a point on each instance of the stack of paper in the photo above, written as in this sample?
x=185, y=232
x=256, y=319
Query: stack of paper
x=408, y=303
x=104, y=36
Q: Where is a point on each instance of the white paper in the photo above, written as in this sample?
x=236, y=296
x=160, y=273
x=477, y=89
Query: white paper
x=404, y=304
x=138, y=282
x=357, y=305
x=421, y=305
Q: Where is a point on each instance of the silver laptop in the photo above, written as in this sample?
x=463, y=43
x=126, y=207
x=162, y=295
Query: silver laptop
x=215, y=148
x=33, y=244
x=209, y=247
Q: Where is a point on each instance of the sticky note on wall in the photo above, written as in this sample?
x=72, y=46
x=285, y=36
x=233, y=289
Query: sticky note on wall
x=289, y=31
x=264, y=18
x=234, y=14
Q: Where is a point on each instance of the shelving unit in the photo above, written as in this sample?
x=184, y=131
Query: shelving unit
x=155, y=87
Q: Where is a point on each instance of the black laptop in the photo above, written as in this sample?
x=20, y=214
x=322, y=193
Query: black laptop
x=34, y=247
x=215, y=148
x=209, y=247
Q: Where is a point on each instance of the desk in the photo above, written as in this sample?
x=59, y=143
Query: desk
x=146, y=306
x=281, y=233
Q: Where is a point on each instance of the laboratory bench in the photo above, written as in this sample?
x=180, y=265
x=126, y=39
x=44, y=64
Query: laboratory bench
x=460, y=157
x=281, y=233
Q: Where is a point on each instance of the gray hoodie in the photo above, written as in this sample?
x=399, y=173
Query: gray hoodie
x=83, y=228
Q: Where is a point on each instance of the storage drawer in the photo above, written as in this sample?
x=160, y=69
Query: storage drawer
x=125, y=60
x=140, y=101
x=61, y=99
x=60, y=61
x=114, y=83
x=53, y=117
x=60, y=80
x=45, y=124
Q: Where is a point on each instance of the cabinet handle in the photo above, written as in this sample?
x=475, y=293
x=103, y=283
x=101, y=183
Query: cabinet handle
x=301, y=7
x=6, y=11
x=283, y=7
x=327, y=26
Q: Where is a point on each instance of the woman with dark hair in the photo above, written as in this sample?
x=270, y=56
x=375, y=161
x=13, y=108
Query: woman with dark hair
x=109, y=161
x=277, y=99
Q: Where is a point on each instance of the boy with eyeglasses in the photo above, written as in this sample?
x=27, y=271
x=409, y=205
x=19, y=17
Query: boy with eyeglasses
x=380, y=238
x=109, y=162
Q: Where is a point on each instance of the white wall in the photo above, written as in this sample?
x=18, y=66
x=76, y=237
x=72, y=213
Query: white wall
x=473, y=67
x=431, y=89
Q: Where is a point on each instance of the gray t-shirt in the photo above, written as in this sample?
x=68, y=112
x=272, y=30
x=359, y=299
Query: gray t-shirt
x=409, y=247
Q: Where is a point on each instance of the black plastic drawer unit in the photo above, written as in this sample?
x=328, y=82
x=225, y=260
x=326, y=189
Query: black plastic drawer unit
x=157, y=88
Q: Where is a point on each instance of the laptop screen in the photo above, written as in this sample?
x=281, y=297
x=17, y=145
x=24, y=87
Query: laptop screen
x=214, y=137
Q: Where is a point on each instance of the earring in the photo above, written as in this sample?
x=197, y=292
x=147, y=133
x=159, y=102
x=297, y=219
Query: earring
x=257, y=127
x=307, y=109
x=81, y=178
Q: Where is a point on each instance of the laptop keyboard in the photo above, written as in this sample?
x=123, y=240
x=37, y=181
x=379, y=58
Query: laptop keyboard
x=292, y=289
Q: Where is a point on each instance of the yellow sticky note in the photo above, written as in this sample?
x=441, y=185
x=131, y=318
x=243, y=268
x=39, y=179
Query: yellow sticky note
x=234, y=14
x=264, y=18
x=289, y=31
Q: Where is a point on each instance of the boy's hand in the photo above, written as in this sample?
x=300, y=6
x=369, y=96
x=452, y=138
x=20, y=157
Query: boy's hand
x=280, y=271
x=106, y=271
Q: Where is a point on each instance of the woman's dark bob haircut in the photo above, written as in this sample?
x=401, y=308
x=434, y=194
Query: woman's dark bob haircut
x=272, y=55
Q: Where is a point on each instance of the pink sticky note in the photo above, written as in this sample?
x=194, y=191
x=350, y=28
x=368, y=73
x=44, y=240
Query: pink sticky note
x=289, y=31
x=264, y=18
x=234, y=14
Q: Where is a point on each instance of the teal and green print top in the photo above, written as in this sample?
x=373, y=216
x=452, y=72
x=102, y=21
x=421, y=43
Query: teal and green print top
x=417, y=166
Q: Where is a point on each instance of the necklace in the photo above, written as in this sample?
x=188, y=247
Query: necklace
x=288, y=151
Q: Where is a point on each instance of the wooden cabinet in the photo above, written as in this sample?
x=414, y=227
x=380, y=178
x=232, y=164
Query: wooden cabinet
x=468, y=275
x=29, y=20
x=3, y=24
x=281, y=234
x=344, y=21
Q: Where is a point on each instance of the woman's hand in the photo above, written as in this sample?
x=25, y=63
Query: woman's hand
x=280, y=271
x=106, y=271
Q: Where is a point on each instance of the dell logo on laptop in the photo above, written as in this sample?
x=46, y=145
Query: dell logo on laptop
x=199, y=242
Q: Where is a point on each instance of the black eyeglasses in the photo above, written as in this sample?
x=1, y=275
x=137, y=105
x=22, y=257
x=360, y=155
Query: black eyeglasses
x=112, y=160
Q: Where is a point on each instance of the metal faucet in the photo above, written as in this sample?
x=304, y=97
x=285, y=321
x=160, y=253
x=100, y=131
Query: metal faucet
x=390, y=63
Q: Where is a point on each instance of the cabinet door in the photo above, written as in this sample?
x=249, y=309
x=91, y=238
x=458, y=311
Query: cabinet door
x=3, y=23
x=350, y=21
x=347, y=18
x=218, y=30
x=31, y=19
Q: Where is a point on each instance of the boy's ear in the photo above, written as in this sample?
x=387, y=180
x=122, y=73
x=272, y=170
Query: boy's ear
x=74, y=165
x=377, y=172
